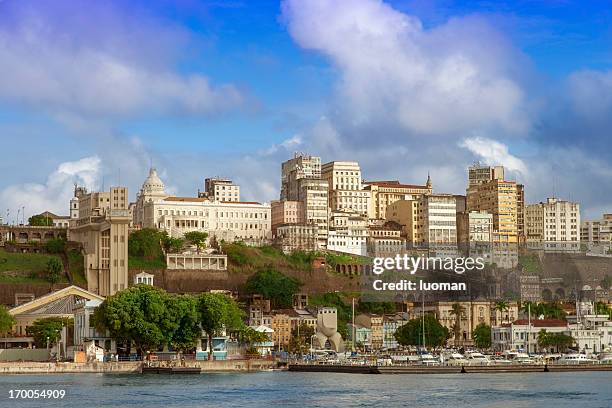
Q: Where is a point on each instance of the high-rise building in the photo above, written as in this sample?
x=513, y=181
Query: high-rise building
x=345, y=188
x=313, y=193
x=384, y=193
x=488, y=191
x=553, y=225
x=478, y=174
x=300, y=167
x=301, y=182
x=499, y=198
x=221, y=189
x=102, y=229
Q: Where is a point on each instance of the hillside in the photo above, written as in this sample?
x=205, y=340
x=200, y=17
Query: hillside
x=24, y=268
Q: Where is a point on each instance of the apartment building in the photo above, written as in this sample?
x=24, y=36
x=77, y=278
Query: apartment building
x=348, y=232
x=300, y=167
x=553, y=225
x=220, y=189
x=345, y=188
x=597, y=233
x=286, y=212
x=384, y=193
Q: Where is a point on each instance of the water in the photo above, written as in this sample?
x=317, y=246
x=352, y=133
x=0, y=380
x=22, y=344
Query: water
x=284, y=389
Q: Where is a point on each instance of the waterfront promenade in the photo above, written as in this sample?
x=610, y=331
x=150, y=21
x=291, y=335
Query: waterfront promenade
x=132, y=367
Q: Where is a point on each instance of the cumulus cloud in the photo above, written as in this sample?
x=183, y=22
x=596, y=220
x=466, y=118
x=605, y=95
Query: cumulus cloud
x=58, y=63
x=494, y=153
x=56, y=192
x=446, y=80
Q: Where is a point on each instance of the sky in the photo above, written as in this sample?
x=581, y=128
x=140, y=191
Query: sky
x=95, y=93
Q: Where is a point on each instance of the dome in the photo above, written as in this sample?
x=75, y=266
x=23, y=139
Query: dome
x=153, y=183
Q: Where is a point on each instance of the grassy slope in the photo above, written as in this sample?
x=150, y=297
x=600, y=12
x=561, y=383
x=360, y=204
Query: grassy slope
x=23, y=268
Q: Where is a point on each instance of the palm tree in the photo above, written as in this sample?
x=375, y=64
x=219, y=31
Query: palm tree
x=459, y=312
x=502, y=306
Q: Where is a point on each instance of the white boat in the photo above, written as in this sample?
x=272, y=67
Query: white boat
x=576, y=358
x=605, y=357
x=454, y=359
x=499, y=360
x=429, y=360
x=476, y=358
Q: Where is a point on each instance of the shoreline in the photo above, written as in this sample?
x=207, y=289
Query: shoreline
x=475, y=369
x=134, y=367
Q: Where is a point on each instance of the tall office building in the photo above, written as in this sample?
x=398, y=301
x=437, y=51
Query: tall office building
x=345, y=188
x=301, y=182
x=292, y=171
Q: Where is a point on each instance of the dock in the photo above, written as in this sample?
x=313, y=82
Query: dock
x=171, y=370
x=417, y=369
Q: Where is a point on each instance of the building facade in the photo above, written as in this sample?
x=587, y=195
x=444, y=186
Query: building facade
x=553, y=226
x=345, y=188
x=102, y=229
x=384, y=193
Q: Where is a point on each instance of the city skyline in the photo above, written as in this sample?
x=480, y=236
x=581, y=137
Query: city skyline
x=233, y=89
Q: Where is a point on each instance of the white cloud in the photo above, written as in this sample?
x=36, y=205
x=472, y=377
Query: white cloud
x=286, y=145
x=443, y=81
x=97, y=72
x=55, y=193
x=494, y=153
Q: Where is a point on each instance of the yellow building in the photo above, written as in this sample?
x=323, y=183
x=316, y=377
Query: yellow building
x=499, y=198
x=281, y=324
x=102, y=229
x=384, y=193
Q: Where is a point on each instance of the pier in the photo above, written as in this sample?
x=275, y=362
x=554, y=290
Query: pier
x=416, y=369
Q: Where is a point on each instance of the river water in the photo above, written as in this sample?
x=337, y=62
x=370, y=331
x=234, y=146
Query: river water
x=284, y=389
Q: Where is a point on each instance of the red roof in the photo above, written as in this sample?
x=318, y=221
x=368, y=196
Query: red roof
x=393, y=184
x=542, y=323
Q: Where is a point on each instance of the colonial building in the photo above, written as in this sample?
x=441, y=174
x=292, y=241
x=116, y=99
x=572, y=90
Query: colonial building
x=249, y=222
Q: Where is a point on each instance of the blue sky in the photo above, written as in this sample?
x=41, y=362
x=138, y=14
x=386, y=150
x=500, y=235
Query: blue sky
x=89, y=92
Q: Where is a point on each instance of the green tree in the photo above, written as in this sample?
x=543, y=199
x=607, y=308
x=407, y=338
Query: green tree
x=218, y=312
x=138, y=314
x=459, y=312
x=170, y=244
x=558, y=341
x=603, y=309
x=146, y=244
x=197, y=238
x=40, y=220
x=54, y=270
x=47, y=329
x=411, y=333
x=300, y=339
x=379, y=308
x=183, y=309
x=56, y=245
x=273, y=285
x=7, y=321
x=548, y=310
x=482, y=336
x=503, y=306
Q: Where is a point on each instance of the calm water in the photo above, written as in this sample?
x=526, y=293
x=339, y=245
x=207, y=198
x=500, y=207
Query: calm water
x=317, y=390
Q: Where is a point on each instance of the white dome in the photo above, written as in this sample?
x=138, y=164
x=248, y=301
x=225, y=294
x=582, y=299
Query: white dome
x=153, y=184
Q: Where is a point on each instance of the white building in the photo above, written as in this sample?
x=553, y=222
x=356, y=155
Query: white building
x=520, y=335
x=345, y=187
x=597, y=234
x=348, y=233
x=249, y=222
x=553, y=226
x=221, y=189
